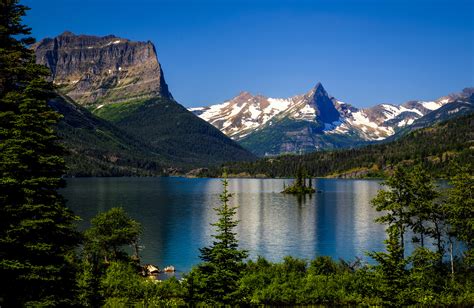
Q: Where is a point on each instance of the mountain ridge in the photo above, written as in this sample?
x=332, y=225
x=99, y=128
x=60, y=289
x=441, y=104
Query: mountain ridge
x=122, y=82
x=312, y=121
x=94, y=70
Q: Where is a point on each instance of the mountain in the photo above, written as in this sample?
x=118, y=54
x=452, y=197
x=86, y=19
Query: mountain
x=122, y=82
x=180, y=136
x=98, y=148
x=95, y=71
x=461, y=104
x=312, y=121
x=435, y=147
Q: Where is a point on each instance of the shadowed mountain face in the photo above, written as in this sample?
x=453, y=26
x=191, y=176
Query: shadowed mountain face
x=101, y=70
x=121, y=82
x=324, y=108
x=313, y=121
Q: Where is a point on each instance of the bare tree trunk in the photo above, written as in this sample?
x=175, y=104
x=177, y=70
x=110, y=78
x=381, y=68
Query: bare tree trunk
x=402, y=231
x=137, y=251
x=402, y=241
x=439, y=240
x=451, y=257
x=422, y=237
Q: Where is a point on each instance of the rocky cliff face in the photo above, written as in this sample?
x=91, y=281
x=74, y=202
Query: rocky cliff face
x=102, y=70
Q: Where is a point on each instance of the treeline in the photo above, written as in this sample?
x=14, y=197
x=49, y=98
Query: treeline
x=433, y=147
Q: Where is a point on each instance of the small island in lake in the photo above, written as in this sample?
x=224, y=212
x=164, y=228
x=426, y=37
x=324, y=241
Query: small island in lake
x=299, y=187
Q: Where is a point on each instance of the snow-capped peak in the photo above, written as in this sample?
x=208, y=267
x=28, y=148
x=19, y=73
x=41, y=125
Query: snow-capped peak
x=247, y=113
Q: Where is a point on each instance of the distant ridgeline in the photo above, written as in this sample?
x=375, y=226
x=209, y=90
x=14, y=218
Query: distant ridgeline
x=119, y=116
x=434, y=147
x=317, y=121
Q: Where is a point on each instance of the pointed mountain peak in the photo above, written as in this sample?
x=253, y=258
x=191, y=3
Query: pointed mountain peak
x=319, y=89
x=244, y=95
x=67, y=33
x=324, y=106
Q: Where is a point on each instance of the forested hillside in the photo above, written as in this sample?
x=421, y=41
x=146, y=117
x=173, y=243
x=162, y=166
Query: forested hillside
x=434, y=147
x=98, y=148
x=176, y=133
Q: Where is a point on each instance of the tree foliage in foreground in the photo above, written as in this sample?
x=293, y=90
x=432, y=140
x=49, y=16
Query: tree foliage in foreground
x=37, y=234
x=103, y=254
x=216, y=279
x=460, y=209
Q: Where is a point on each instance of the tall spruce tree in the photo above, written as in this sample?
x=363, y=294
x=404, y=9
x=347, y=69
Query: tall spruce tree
x=460, y=209
x=37, y=235
x=392, y=268
x=426, y=217
x=216, y=279
x=395, y=203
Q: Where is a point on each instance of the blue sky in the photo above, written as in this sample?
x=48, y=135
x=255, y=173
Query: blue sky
x=363, y=52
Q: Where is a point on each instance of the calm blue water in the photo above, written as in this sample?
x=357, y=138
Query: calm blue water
x=176, y=213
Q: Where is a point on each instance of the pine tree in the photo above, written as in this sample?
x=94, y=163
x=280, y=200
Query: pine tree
x=216, y=279
x=109, y=232
x=460, y=209
x=299, y=182
x=426, y=217
x=395, y=203
x=392, y=267
x=37, y=235
x=104, y=241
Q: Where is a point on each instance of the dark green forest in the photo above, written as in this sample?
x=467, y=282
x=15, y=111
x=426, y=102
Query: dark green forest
x=435, y=148
x=98, y=148
x=181, y=137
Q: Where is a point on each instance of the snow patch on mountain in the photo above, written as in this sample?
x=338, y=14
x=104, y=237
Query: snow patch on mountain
x=247, y=113
x=433, y=105
x=307, y=113
x=277, y=105
x=405, y=122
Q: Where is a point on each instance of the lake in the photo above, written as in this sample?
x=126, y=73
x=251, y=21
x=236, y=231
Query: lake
x=176, y=213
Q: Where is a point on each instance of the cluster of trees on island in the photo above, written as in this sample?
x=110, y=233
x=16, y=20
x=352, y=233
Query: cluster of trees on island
x=46, y=261
x=302, y=185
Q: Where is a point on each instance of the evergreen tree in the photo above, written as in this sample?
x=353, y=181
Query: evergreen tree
x=299, y=186
x=426, y=216
x=104, y=241
x=110, y=231
x=37, y=235
x=460, y=209
x=395, y=203
x=216, y=279
x=392, y=267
